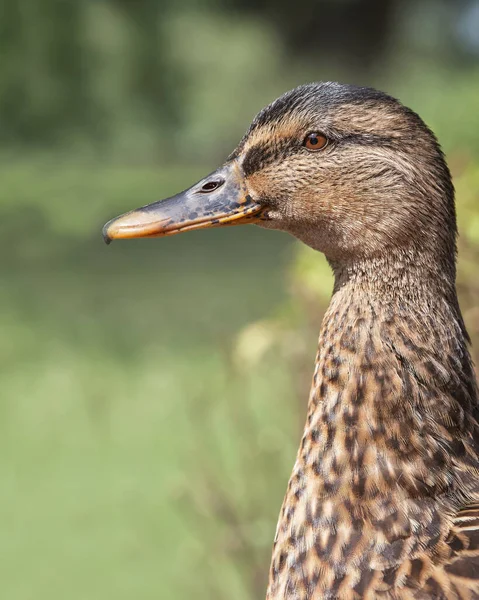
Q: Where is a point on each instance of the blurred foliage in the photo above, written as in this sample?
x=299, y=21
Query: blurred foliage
x=118, y=399
x=143, y=79
x=153, y=393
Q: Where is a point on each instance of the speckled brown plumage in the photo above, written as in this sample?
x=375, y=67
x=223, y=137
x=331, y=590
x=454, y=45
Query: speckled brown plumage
x=387, y=468
x=383, y=501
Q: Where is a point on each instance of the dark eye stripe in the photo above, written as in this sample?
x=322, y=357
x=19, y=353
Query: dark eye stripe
x=266, y=153
x=263, y=154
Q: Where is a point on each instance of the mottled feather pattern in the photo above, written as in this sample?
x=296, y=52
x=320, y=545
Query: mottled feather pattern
x=376, y=503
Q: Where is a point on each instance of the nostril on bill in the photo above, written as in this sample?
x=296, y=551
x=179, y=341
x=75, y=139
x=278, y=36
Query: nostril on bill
x=211, y=186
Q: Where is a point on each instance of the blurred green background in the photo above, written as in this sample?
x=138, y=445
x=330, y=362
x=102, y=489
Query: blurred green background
x=153, y=392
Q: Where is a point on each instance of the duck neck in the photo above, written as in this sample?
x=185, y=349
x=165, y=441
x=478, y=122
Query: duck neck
x=391, y=425
x=393, y=392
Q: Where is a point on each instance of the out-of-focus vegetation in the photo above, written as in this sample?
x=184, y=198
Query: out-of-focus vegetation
x=153, y=391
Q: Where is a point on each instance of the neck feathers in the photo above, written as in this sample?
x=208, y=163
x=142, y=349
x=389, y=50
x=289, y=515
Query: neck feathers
x=391, y=430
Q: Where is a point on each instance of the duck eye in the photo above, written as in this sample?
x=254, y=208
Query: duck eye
x=315, y=141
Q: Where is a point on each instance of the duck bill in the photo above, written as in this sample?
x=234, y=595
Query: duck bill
x=216, y=201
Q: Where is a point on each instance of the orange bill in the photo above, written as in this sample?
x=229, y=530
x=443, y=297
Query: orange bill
x=216, y=201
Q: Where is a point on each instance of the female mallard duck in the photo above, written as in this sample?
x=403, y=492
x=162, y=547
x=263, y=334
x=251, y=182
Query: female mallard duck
x=383, y=501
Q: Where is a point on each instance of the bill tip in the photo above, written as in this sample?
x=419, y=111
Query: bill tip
x=106, y=237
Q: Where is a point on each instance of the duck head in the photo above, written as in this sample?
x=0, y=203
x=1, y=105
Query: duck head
x=349, y=171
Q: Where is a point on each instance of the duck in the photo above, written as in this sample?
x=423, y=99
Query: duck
x=383, y=500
